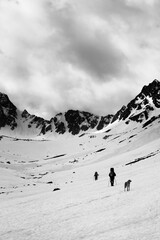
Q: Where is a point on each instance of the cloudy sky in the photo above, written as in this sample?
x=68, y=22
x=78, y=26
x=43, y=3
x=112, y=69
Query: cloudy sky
x=91, y=55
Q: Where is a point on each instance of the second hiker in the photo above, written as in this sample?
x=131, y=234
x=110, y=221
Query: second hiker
x=112, y=176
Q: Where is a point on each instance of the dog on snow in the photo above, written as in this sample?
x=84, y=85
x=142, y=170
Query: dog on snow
x=127, y=185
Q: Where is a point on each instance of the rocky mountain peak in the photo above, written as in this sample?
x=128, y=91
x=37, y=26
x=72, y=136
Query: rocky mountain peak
x=8, y=112
x=140, y=107
x=72, y=121
x=5, y=102
x=75, y=121
x=152, y=88
x=153, y=91
x=25, y=114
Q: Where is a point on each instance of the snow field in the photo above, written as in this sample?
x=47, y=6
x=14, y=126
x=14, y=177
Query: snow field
x=82, y=208
x=88, y=209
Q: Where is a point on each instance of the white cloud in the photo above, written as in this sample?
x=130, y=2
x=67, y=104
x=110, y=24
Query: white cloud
x=90, y=55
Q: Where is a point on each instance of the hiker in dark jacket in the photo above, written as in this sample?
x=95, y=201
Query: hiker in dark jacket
x=96, y=176
x=112, y=176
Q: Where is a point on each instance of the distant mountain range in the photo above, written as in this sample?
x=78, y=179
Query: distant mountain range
x=72, y=121
x=142, y=109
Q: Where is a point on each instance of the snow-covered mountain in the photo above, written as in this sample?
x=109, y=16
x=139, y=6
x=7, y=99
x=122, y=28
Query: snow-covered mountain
x=47, y=186
x=144, y=108
x=16, y=123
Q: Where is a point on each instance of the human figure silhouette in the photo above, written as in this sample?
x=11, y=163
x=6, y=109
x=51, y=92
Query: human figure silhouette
x=112, y=176
x=96, y=176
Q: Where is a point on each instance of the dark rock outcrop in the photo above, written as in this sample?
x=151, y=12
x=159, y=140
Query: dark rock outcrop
x=140, y=107
x=8, y=112
x=119, y=114
x=75, y=121
x=104, y=121
x=72, y=121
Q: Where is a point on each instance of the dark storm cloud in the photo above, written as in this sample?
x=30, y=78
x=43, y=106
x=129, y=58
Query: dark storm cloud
x=97, y=56
x=86, y=45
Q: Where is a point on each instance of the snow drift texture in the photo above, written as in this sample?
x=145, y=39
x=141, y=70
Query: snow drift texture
x=47, y=186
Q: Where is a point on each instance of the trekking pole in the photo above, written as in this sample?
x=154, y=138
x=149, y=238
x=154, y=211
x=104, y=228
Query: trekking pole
x=108, y=182
x=115, y=181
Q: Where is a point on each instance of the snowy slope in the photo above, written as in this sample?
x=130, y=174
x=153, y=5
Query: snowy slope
x=30, y=169
x=83, y=208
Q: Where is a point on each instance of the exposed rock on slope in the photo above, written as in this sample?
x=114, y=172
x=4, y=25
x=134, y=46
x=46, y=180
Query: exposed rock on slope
x=8, y=112
x=144, y=108
x=72, y=121
x=140, y=108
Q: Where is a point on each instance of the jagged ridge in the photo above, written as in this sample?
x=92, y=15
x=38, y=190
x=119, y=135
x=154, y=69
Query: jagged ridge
x=142, y=105
x=72, y=121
